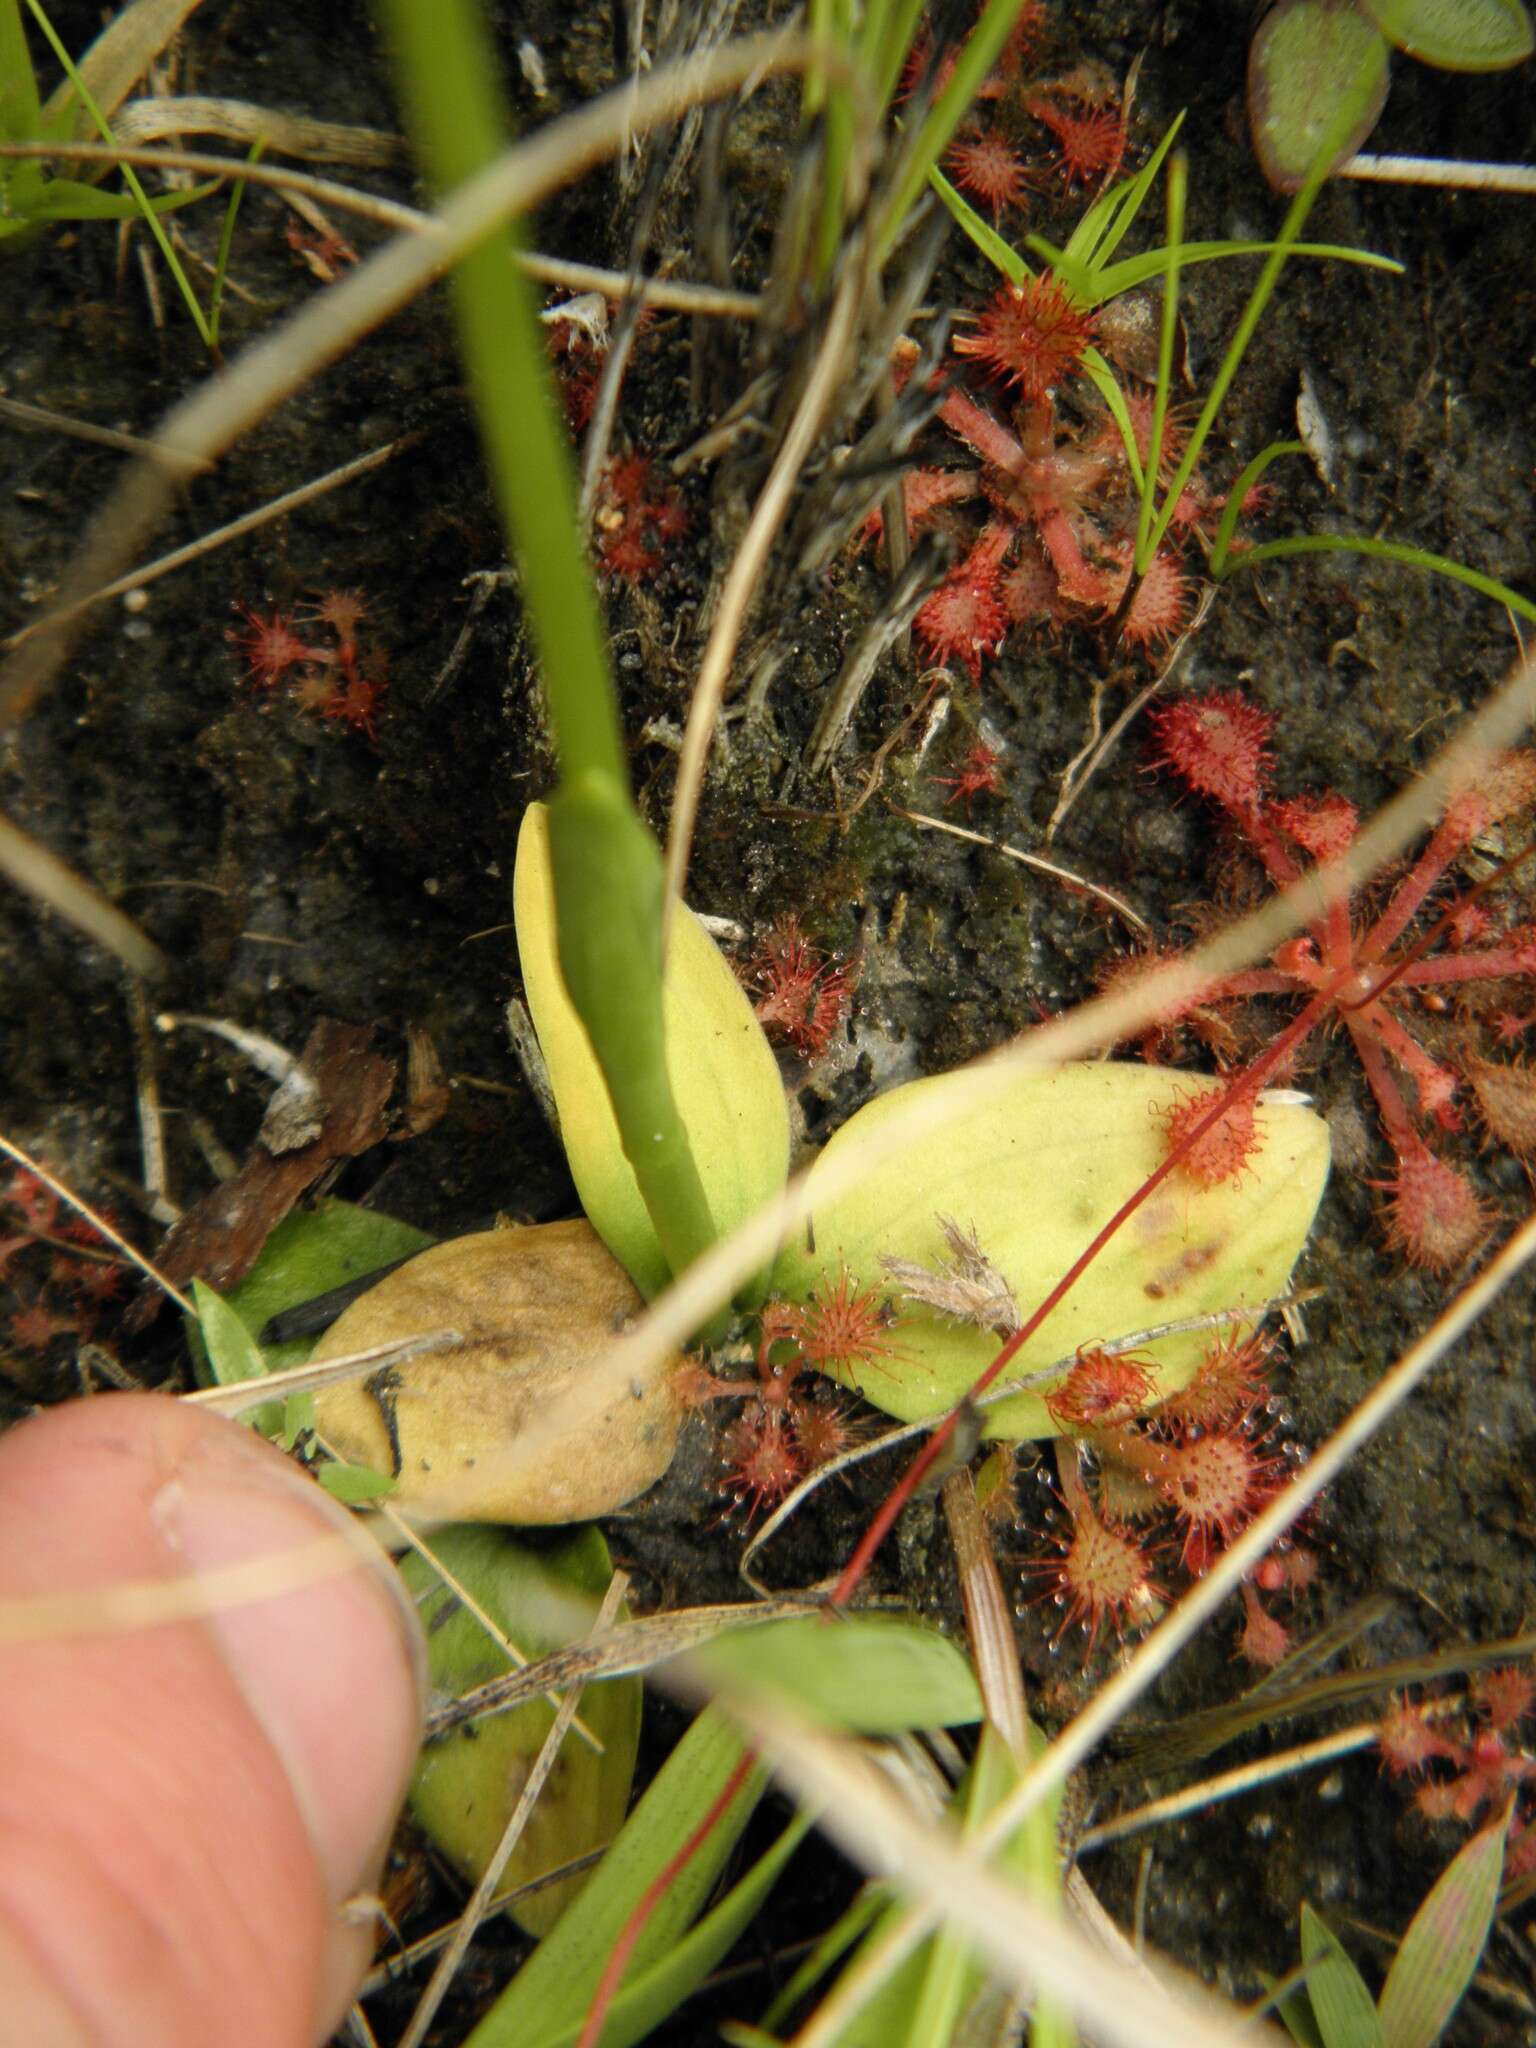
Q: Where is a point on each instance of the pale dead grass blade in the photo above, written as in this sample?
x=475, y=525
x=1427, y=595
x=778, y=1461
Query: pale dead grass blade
x=154, y=1603
x=241, y=1395
x=751, y=558
x=1285, y=1763
x=234, y=529
x=1037, y=861
x=632, y=1647
x=32, y=867
x=1027, y=1947
x=480, y=1899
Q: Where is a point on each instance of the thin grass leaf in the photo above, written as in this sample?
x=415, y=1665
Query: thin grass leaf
x=1435, y=1961
x=130, y=176
x=978, y=54
x=1386, y=551
x=1232, y=510
x=874, y=1673
x=848, y=1928
x=1002, y=255
x=1109, y=219
x=1341, y=2002
x=1104, y=381
x=546, y=2002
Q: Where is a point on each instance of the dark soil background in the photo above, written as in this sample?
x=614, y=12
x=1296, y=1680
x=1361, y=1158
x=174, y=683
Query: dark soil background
x=293, y=869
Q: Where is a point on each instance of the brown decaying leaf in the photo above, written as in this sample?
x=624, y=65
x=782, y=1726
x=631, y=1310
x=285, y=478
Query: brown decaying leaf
x=221, y=1235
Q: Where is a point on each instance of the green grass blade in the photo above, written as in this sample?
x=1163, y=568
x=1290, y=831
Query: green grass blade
x=226, y=240
x=1385, y=551
x=546, y=2002
x=607, y=872
x=999, y=253
x=130, y=176
x=1103, y=380
x=1360, y=89
x=1178, y=178
x=1434, y=1963
x=1341, y=2002
x=1109, y=220
x=1232, y=510
x=20, y=116
x=978, y=54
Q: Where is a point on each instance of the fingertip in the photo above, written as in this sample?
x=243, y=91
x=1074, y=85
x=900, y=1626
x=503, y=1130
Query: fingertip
x=207, y=1793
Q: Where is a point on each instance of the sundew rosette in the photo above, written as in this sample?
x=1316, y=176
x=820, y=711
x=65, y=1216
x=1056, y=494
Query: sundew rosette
x=1032, y=1176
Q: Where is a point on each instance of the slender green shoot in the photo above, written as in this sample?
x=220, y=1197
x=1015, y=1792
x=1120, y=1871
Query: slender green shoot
x=130, y=178
x=1175, y=193
x=226, y=239
x=1384, y=551
x=607, y=867
x=1232, y=510
x=978, y=54
x=1290, y=231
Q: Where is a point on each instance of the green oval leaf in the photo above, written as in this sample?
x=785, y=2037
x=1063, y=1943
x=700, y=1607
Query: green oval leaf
x=1341, y=2002
x=1457, y=35
x=876, y=1674
x=1304, y=63
x=465, y=1786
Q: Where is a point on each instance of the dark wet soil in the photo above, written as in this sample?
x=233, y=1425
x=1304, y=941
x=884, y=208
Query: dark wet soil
x=291, y=868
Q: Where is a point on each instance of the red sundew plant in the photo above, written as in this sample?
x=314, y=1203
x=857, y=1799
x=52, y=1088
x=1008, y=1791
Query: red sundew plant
x=637, y=519
x=1410, y=1005
x=1465, y=1762
x=337, y=677
x=803, y=996
x=63, y=1279
x=1056, y=542
x=979, y=774
x=1192, y=1470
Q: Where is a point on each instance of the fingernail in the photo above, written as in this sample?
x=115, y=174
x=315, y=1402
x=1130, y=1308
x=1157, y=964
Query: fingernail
x=333, y=1669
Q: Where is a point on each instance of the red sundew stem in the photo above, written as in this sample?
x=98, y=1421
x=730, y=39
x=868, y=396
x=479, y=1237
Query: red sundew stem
x=1247, y=1083
x=629, y=1934
x=1427, y=1074
x=1398, y=1124
x=1449, y=840
x=1492, y=965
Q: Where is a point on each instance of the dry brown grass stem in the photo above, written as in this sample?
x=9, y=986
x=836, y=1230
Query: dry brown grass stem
x=746, y=571
x=1285, y=1763
x=670, y=293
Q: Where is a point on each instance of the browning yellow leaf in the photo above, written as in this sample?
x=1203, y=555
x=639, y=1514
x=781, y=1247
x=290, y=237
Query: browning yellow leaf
x=537, y=1308
x=1035, y=1175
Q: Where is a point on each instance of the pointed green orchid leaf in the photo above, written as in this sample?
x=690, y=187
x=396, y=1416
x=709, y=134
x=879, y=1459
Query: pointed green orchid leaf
x=466, y=1785
x=724, y=1076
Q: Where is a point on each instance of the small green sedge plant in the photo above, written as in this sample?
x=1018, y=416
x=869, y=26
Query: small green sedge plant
x=31, y=198
x=1332, y=2007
